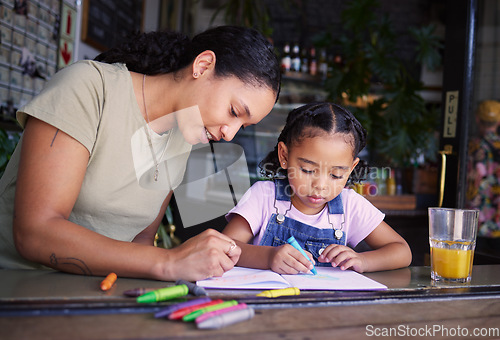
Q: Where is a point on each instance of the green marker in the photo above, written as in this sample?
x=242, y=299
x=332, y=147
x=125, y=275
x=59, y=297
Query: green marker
x=193, y=315
x=163, y=294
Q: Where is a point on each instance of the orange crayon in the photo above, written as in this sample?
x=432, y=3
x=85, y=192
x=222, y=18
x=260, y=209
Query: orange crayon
x=109, y=281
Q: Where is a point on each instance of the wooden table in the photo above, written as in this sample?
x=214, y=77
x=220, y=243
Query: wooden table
x=53, y=305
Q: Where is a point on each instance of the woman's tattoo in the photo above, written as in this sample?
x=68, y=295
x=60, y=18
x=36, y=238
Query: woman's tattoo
x=53, y=139
x=65, y=263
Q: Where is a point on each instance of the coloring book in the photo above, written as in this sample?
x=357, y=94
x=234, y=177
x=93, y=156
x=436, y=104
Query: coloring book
x=328, y=278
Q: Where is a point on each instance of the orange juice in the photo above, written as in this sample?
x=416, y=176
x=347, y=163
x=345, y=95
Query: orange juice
x=451, y=260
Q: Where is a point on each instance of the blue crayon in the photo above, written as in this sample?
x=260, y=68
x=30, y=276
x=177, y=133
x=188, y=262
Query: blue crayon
x=172, y=308
x=293, y=242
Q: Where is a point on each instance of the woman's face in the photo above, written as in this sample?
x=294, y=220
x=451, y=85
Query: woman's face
x=219, y=107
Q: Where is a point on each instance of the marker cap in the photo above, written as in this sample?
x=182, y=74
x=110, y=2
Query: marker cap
x=163, y=294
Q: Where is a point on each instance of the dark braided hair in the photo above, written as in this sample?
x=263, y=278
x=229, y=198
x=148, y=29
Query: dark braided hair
x=311, y=120
x=241, y=52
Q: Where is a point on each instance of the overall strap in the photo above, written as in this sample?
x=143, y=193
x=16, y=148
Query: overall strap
x=283, y=190
x=335, y=206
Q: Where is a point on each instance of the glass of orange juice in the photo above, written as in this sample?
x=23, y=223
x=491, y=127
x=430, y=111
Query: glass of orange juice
x=452, y=238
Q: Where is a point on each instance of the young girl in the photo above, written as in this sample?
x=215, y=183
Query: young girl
x=317, y=153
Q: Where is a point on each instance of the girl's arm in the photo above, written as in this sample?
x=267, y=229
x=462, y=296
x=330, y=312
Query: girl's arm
x=51, y=172
x=284, y=259
x=390, y=251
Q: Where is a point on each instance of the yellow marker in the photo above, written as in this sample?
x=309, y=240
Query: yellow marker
x=280, y=292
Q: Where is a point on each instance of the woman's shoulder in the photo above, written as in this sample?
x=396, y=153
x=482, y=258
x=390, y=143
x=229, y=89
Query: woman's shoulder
x=88, y=78
x=90, y=68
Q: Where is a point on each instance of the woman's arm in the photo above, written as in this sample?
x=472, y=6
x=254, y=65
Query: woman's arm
x=284, y=259
x=51, y=171
x=147, y=236
x=390, y=251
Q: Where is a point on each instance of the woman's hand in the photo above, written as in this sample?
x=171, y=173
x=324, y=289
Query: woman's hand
x=343, y=257
x=206, y=255
x=286, y=259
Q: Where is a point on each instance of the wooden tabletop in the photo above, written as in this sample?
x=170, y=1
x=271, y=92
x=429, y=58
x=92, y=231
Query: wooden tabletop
x=52, y=305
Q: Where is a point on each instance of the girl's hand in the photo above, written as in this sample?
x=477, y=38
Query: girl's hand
x=342, y=257
x=286, y=259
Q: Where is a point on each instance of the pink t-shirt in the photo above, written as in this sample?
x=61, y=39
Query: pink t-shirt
x=361, y=217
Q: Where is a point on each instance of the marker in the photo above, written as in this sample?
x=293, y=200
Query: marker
x=163, y=294
x=193, y=288
x=211, y=314
x=172, y=308
x=109, y=281
x=227, y=319
x=280, y=292
x=293, y=242
x=193, y=315
x=179, y=314
x=138, y=291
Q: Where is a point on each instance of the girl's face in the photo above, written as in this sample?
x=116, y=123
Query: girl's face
x=221, y=106
x=318, y=169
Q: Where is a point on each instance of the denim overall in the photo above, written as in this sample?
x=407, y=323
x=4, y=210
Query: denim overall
x=310, y=238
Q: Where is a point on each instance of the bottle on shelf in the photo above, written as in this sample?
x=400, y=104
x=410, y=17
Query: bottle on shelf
x=381, y=181
x=286, y=60
x=391, y=183
x=296, y=58
x=313, y=63
x=304, y=63
x=323, y=64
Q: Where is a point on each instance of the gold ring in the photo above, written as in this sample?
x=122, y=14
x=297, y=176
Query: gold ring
x=233, y=245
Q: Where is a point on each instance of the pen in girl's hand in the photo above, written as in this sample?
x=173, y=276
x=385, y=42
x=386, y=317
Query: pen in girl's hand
x=293, y=242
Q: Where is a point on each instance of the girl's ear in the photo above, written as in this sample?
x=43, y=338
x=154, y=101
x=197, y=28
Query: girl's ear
x=356, y=161
x=283, y=155
x=205, y=61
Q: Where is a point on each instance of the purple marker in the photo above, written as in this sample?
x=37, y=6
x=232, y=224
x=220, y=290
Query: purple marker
x=172, y=308
x=227, y=319
x=220, y=311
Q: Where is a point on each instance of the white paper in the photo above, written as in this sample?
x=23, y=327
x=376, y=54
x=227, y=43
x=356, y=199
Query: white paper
x=328, y=278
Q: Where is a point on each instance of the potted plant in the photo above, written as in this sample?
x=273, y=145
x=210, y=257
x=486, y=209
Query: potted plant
x=382, y=90
x=8, y=142
x=248, y=13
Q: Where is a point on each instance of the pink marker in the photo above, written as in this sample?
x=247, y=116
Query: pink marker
x=208, y=315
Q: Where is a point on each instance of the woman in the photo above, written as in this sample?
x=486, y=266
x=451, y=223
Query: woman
x=106, y=141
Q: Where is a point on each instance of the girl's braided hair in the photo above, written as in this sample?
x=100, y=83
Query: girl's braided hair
x=311, y=120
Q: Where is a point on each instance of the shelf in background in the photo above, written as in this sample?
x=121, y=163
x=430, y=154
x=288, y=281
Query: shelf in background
x=396, y=202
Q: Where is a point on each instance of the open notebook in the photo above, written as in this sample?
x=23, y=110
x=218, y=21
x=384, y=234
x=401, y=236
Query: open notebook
x=328, y=278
